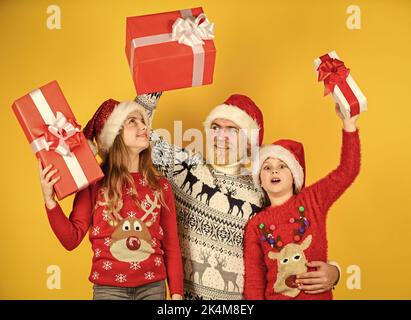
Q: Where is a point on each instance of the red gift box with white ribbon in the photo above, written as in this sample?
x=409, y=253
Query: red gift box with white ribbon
x=170, y=50
x=339, y=82
x=56, y=138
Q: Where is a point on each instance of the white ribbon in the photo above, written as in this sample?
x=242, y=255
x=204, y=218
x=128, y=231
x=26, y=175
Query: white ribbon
x=191, y=32
x=187, y=31
x=63, y=130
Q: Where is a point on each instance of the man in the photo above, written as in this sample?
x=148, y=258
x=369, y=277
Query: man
x=216, y=196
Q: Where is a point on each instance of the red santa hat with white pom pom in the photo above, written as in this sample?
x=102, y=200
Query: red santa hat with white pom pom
x=107, y=122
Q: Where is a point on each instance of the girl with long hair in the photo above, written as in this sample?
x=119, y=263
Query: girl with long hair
x=130, y=213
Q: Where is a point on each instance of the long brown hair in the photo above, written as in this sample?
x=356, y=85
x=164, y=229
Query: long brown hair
x=117, y=177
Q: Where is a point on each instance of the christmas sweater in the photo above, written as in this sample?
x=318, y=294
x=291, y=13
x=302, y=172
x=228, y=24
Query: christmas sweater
x=213, y=207
x=135, y=247
x=280, y=240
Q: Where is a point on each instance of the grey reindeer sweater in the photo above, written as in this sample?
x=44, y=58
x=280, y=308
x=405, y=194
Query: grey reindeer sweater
x=213, y=207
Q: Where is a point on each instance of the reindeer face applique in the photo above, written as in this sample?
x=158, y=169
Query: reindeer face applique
x=290, y=261
x=131, y=240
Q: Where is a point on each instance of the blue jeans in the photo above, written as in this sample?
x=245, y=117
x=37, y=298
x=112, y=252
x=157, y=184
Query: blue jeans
x=151, y=291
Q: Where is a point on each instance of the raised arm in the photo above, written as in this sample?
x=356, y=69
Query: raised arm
x=165, y=156
x=332, y=186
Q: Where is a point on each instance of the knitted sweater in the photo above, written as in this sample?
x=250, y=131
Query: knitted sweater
x=280, y=240
x=213, y=207
x=139, y=247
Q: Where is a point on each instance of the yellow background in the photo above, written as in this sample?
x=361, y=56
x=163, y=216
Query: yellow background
x=265, y=49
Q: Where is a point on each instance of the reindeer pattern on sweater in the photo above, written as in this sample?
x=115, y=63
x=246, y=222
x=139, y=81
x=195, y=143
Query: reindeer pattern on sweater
x=212, y=210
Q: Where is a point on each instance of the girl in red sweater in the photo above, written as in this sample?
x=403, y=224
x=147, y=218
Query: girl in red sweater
x=130, y=213
x=280, y=240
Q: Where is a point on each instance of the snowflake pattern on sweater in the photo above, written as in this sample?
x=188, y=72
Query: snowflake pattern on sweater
x=130, y=248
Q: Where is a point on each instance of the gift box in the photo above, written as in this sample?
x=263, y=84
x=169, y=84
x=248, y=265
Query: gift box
x=339, y=82
x=56, y=138
x=170, y=50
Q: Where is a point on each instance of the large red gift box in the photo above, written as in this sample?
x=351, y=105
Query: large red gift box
x=56, y=138
x=170, y=50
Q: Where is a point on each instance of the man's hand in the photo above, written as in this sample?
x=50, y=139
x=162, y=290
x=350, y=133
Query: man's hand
x=320, y=280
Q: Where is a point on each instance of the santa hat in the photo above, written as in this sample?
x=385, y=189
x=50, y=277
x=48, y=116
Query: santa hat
x=241, y=110
x=107, y=122
x=291, y=153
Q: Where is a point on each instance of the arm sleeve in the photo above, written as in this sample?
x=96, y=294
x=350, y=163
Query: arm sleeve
x=170, y=243
x=149, y=101
x=331, y=187
x=71, y=231
x=164, y=155
x=254, y=265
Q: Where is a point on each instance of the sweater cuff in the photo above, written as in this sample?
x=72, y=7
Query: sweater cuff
x=55, y=210
x=176, y=290
x=350, y=134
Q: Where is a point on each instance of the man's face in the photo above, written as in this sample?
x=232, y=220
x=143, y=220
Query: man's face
x=227, y=141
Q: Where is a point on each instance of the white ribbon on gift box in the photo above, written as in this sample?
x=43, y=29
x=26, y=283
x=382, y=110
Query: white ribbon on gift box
x=55, y=124
x=339, y=96
x=62, y=130
x=187, y=31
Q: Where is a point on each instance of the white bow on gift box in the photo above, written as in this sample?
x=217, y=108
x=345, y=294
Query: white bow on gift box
x=61, y=130
x=192, y=32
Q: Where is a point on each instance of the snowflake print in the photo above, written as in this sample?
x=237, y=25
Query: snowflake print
x=107, y=241
x=154, y=242
x=157, y=261
x=143, y=182
x=95, y=275
x=131, y=214
x=165, y=187
x=130, y=191
x=97, y=253
x=149, y=275
x=135, y=265
x=107, y=265
x=145, y=203
x=161, y=231
x=121, y=278
x=106, y=215
x=96, y=231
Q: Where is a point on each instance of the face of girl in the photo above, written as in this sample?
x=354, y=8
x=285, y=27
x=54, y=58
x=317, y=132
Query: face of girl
x=276, y=177
x=228, y=142
x=135, y=135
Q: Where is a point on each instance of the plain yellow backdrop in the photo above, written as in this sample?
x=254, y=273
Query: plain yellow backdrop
x=265, y=49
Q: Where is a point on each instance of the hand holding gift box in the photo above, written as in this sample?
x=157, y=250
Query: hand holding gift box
x=56, y=138
x=339, y=82
x=170, y=50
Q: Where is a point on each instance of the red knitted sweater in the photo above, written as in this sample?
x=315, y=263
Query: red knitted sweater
x=278, y=241
x=139, y=247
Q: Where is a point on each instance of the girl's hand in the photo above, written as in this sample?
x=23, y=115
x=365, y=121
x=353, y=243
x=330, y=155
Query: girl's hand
x=176, y=296
x=47, y=184
x=321, y=280
x=348, y=124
